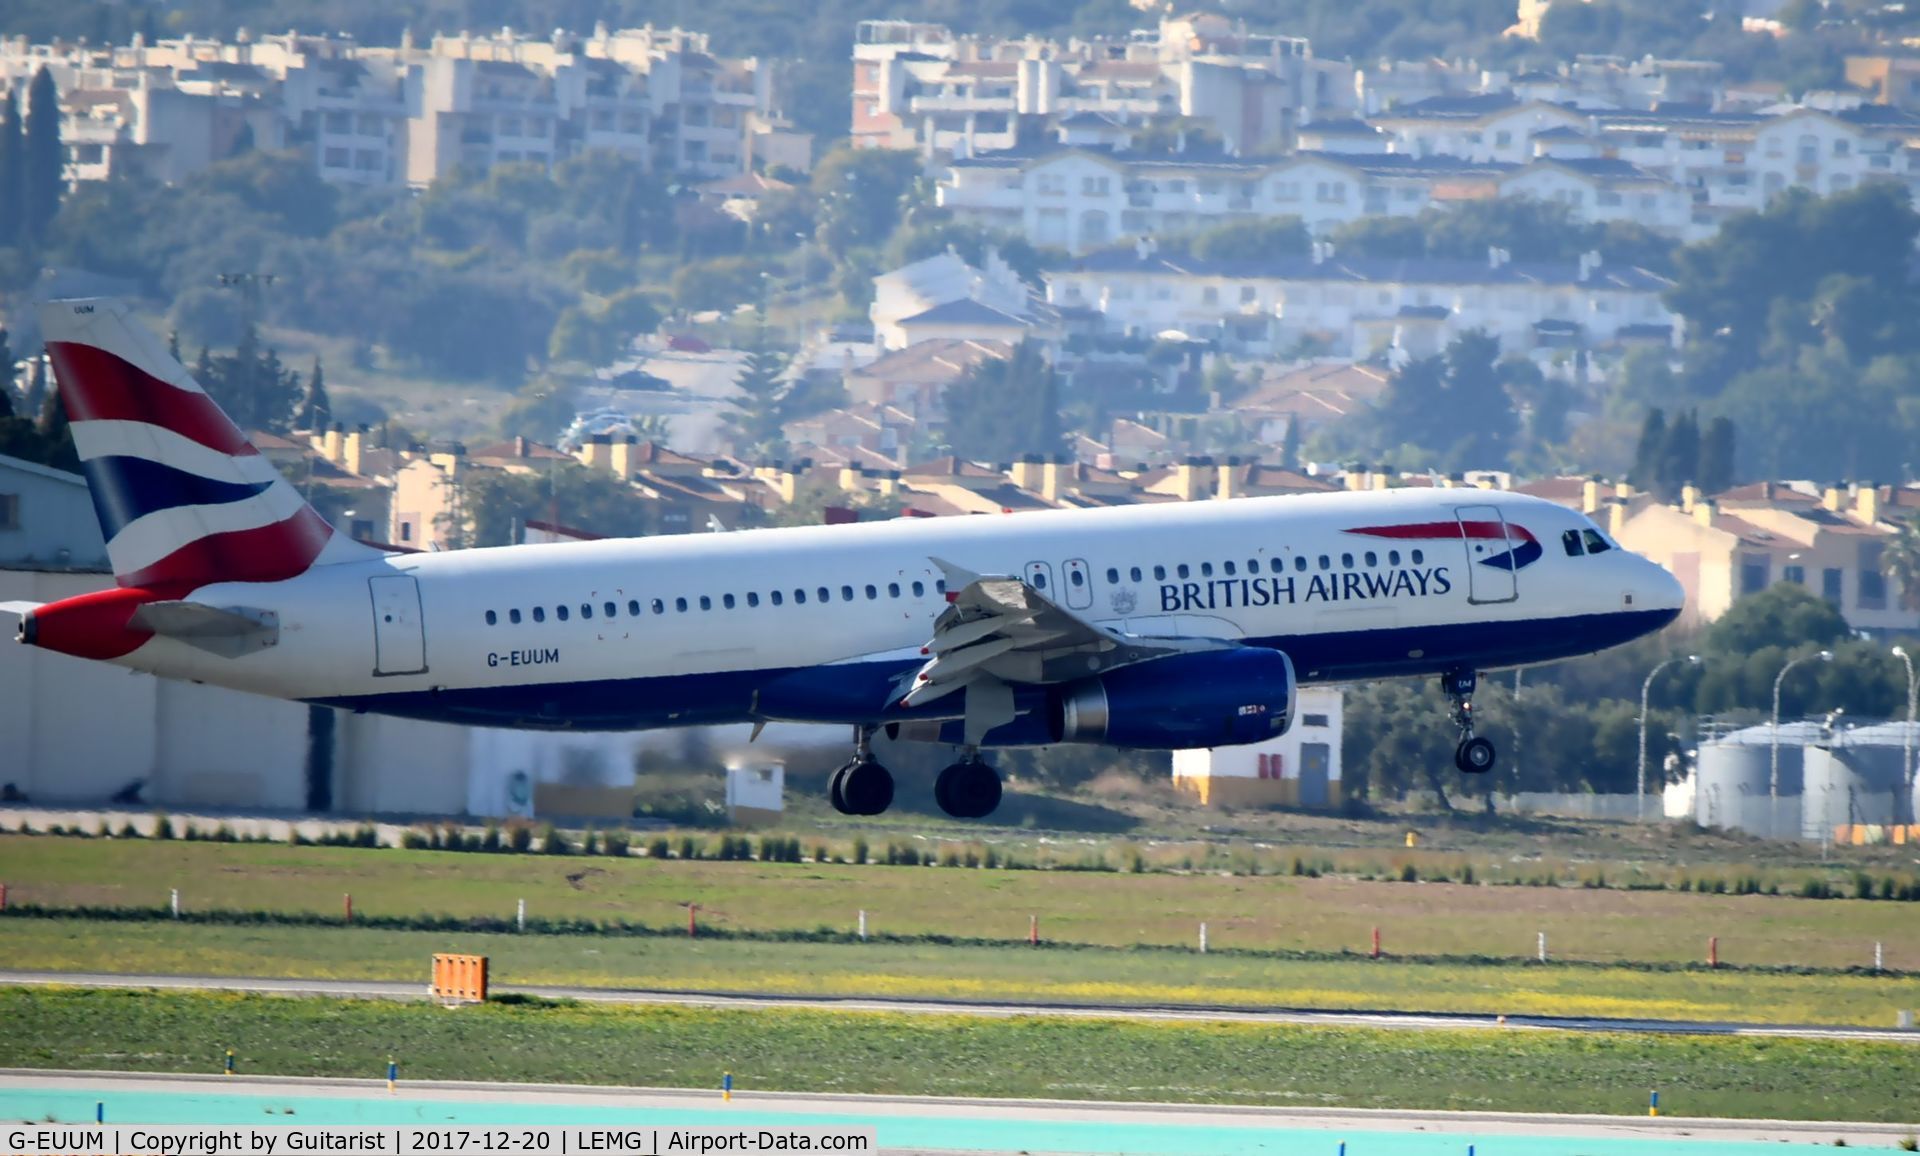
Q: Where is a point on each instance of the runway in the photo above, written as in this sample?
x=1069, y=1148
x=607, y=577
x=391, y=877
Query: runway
x=923, y=1125
x=1407, y=1021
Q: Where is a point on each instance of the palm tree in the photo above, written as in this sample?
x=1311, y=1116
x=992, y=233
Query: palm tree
x=1901, y=561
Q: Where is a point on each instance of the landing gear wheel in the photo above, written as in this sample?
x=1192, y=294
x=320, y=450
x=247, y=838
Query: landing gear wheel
x=1474, y=756
x=836, y=789
x=866, y=787
x=968, y=790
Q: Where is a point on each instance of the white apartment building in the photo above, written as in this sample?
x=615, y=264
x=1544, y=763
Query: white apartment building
x=1084, y=199
x=1356, y=308
x=405, y=114
x=920, y=86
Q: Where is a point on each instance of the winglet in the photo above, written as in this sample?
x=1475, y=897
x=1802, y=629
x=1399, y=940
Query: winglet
x=958, y=579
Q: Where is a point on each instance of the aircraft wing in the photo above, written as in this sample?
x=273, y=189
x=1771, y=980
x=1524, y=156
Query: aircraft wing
x=999, y=630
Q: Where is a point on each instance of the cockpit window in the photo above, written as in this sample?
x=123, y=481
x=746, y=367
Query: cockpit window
x=1571, y=541
x=1595, y=543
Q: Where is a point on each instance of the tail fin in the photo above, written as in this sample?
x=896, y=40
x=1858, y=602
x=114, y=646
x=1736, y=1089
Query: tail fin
x=183, y=498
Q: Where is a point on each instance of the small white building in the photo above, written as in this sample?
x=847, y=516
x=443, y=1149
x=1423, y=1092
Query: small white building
x=1299, y=769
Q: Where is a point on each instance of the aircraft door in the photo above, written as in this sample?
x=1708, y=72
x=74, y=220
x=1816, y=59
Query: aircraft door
x=1078, y=584
x=1490, y=545
x=1039, y=575
x=399, y=637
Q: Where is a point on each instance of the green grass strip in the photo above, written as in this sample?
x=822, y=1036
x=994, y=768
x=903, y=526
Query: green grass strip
x=957, y=1055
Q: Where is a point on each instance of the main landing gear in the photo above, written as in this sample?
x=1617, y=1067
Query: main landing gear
x=862, y=786
x=969, y=789
x=1474, y=756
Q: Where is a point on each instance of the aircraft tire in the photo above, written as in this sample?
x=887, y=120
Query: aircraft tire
x=1474, y=756
x=969, y=790
x=836, y=789
x=867, y=788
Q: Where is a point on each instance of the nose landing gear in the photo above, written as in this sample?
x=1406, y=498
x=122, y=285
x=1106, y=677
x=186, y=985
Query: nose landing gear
x=1474, y=756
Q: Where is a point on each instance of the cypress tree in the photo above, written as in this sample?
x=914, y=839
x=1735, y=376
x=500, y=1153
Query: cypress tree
x=13, y=159
x=1646, y=455
x=1716, y=456
x=45, y=174
x=316, y=411
x=6, y=375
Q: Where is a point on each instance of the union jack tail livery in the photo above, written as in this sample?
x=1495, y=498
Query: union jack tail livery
x=183, y=498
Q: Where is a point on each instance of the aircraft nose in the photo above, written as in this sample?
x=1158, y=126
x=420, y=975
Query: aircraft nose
x=1657, y=589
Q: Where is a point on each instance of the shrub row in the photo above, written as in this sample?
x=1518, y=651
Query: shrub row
x=521, y=838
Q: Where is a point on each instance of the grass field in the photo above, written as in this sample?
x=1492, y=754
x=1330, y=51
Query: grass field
x=793, y=1050
x=1011, y=973
x=1116, y=909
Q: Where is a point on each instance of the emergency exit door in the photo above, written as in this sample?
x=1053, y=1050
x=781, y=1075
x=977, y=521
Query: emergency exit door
x=399, y=638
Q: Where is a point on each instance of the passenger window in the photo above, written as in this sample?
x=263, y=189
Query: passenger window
x=846, y=594
x=1595, y=543
x=492, y=618
x=1159, y=573
x=659, y=607
x=1077, y=577
x=1570, y=542
x=799, y=597
x=1182, y=570
x=1113, y=576
x=513, y=616
x=612, y=610
x=680, y=604
x=1326, y=563
x=1419, y=558
x=872, y=593
x=940, y=585
x=560, y=612
x=893, y=589
x=1346, y=561
x=539, y=614
x=826, y=595
x=1229, y=567
x=1206, y=569
x=1300, y=563
x=586, y=610
x=776, y=596
x=1039, y=581
x=633, y=608
x=726, y=600
x=1393, y=557
x=1134, y=573
x=919, y=590
x=1372, y=559
x=753, y=598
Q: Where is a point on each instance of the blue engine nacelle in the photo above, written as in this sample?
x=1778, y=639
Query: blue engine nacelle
x=1218, y=698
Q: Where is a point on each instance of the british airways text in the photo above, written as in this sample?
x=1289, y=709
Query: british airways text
x=1346, y=586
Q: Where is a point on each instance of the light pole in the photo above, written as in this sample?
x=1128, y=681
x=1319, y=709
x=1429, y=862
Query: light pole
x=1906, y=738
x=1640, y=780
x=1773, y=778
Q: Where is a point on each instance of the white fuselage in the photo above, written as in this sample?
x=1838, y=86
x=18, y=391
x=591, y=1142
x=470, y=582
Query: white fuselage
x=815, y=623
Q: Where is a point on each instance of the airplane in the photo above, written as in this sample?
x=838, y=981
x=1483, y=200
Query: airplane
x=1148, y=627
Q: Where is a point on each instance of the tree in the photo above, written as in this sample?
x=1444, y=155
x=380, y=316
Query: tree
x=45, y=168
x=252, y=385
x=758, y=414
x=1254, y=239
x=1646, y=454
x=1679, y=462
x=1290, y=448
x=1716, y=456
x=316, y=411
x=13, y=171
x=1006, y=408
x=1902, y=561
x=1784, y=616
x=1453, y=406
x=863, y=195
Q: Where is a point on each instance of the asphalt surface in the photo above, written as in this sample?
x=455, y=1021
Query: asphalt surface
x=797, y=1106
x=384, y=989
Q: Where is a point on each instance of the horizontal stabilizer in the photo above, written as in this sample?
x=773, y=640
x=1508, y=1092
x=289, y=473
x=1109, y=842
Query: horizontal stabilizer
x=229, y=632
x=21, y=608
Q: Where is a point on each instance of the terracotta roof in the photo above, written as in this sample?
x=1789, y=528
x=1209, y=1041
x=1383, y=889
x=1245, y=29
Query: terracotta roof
x=519, y=449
